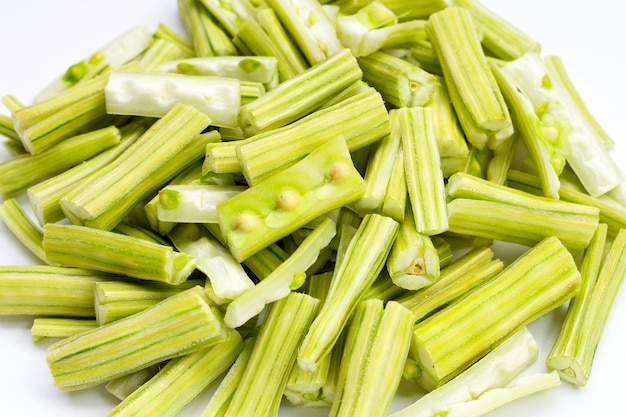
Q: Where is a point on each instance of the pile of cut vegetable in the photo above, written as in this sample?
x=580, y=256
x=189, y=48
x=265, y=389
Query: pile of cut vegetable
x=300, y=202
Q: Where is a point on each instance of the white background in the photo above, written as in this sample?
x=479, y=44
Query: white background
x=39, y=39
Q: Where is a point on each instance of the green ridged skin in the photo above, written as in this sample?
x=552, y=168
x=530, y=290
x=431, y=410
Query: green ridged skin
x=90, y=248
x=48, y=290
x=180, y=325
x=301, y=94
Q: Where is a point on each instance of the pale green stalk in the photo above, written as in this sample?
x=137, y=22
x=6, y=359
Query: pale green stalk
x=422, y=165
x=611, y=214
x=467, y=273
x=288, y=200
x=60, y=327
x=115, y=300
x=180, y=381
x=45, y=196
x=537, y=282
x=413, y=262
x=495, y=370
x=301, y=94
x=288, y=276
x=361, y=120
x=124, y=182
x=23, y=228
x=207, y=36
x=376, y=348
x=228, y=278
x=360, y=266
x=484, y=209
x=573, y=353
x=101, y=250
x=475, y=95
x=193, y=203
x=48, y=291
x=177, y=326
x=499, y=37
x=401, y=83
x=260, y=390
x=22, y=171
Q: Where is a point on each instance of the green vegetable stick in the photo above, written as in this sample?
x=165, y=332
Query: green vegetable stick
x=124, y=180
x=364, y=259
x=180, y=381
x=475, y=95
x=115, y=300
x=377, y=345
x=482, y=208
x=60, y=327
x=264, y=213
x=611, y=214
x=301, y=94
x=48, y=290
x=573, y=353
x=45, y=196
x=422, y=165
x=260, y=390
x=537, y=282
x=22, y=171
x=112, y=252
x=177, y=326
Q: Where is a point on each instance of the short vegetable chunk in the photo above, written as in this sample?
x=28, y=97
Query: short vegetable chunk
x=182, y=324
x=537, y=282
x=100, y=250
x=259, y=216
